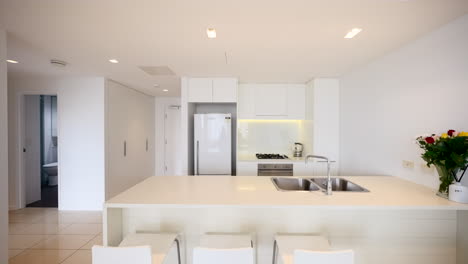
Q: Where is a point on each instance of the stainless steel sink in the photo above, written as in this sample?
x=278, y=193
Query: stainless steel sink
x=294, y=184
x=339, y=185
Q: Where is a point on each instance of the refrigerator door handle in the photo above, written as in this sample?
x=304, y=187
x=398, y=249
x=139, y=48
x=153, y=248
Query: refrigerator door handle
x=198, y=158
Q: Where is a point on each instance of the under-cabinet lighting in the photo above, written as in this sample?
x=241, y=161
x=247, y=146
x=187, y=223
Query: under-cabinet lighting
x=12, y=61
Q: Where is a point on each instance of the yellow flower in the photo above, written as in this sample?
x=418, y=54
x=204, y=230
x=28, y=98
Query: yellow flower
x=463, y=134
x=444, y=135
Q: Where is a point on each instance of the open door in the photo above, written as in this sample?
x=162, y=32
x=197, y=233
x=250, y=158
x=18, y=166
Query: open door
x=32, y=148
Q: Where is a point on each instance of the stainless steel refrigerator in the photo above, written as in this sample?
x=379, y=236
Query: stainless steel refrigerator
x=212, y=144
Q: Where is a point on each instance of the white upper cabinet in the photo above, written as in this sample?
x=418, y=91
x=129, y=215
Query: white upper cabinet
x=225, y=90
x=272, y=101
x=200, y=90
x=296, y=102
x=246, y=102
x=212, y=90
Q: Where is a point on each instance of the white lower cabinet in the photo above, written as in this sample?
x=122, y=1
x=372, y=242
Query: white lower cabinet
x=246, y=168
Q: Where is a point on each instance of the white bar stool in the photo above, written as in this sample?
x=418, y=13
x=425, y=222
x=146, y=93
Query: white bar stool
x=224, y=249
x=306, y=249
x=138, y=248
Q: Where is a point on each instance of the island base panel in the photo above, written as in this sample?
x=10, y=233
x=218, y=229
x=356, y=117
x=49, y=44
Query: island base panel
x=377, y=236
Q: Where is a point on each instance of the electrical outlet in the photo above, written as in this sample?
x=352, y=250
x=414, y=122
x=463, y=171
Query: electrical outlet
x=408, y=164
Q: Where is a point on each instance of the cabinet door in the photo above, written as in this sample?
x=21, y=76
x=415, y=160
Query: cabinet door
x=296, y=101
x=246, y=168
x=224, y=90
x=200, y=90
x=246, y=102
x=271, y=101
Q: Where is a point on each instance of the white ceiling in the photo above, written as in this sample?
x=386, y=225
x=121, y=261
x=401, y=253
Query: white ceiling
x=265, y=40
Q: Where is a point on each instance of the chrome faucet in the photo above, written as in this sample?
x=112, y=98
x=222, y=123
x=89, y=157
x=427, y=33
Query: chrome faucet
x=329, y=182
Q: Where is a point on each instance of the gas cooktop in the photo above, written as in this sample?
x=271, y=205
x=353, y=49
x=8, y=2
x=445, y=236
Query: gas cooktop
x=270, y=156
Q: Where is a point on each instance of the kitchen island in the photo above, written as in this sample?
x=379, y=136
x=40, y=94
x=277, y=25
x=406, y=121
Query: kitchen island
x=396, y=222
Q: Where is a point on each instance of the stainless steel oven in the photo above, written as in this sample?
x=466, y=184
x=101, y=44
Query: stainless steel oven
x=275, y=169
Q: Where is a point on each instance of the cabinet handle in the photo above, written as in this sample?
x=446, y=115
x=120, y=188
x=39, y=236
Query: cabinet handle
x=198, y=158
x=125, y=148
x=146, y=145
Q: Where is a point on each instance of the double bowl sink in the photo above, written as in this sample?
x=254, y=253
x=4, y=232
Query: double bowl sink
x=315, y=184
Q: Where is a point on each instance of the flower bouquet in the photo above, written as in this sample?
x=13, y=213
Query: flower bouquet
x=448, y=152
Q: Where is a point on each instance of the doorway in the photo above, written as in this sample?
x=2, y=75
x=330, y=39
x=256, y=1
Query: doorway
x=172, y=164
x=40, y=151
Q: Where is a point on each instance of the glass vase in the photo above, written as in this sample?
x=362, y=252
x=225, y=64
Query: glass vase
x=446, y=178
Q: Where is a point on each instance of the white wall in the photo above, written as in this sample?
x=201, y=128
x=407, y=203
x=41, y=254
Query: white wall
x=3, y=151
x=80, y=105
x=130, y=117
x=418, y=89
x=80, y=137
x=161, y=104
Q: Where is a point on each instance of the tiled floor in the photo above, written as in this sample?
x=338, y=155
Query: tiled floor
x=49, y=236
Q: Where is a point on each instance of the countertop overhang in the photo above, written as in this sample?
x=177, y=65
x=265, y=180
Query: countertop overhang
x=386, y=192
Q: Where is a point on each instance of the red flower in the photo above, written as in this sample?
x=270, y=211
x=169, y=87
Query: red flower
x=450, y=132
x=430, y=140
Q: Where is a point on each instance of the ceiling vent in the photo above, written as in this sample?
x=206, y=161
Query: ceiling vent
x=58, y=63
x=157, y=70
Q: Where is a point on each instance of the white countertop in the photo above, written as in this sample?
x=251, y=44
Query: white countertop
x=247, y=191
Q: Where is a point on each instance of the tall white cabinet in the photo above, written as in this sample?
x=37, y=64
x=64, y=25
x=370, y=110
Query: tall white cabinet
x=323, y=97
x=130, y=119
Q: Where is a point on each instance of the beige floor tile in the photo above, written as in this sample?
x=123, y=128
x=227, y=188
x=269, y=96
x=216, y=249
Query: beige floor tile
x=64, y=242
x=32, y=256
x=16, y=228
x=24, y=241
x=97, y=240
x=79, y=257
x=25, y=218
x=14, y=252
x=42, y=229
x=65, y=217
x=82, y=229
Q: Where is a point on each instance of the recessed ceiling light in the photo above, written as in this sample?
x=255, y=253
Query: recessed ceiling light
x=113, y=61
x=211, y=32
x=165, y=90
x=12, y=61
x=353, y=33
x=156, y=85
